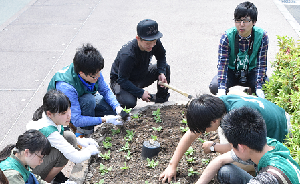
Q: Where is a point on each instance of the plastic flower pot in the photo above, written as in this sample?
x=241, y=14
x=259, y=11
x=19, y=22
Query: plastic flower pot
x=150, y=149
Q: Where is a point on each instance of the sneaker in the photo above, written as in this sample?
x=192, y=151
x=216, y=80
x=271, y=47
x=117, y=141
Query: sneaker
x=162, y=99
x=60, y=178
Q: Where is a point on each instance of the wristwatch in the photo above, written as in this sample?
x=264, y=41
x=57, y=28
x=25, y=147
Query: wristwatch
x=212, y=148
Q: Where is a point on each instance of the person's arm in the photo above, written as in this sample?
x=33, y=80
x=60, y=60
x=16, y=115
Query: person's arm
x=264, y=178
x=223, y=61
x=160, y=54
x=13, y=177
x=106, y=92
x=220, y=148
x=262, y=61
x=213, y=167
x=77, y=119
x=183, y=145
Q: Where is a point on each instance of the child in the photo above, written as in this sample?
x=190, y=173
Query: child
x=50, y=119
x=29, y=151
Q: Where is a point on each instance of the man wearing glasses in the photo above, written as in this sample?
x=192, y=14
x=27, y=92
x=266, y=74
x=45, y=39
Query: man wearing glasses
x=242, y=58
x=92, y=101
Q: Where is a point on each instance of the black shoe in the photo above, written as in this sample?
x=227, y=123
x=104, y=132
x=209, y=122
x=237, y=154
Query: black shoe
x=162, y=99
x=60, y=178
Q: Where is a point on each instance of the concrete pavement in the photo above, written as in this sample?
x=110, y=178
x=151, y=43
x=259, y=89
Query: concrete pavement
x=43, y=37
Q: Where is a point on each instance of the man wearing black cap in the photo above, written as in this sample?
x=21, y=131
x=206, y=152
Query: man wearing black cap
x=132, y=70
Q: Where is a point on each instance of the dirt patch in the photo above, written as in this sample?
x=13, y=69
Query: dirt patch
x=138, y=171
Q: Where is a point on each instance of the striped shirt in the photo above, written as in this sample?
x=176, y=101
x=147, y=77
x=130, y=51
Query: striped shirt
x=223, y=59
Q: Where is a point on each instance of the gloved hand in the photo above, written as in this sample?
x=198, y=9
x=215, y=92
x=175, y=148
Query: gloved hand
x=84, y=142
x=113, y=119
x=119, y=109
x=260, y=93
x=70, y=182
x=93, y=149
x=221, y=92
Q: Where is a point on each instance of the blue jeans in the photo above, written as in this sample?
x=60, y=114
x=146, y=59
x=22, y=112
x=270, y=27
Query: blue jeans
x=231, y=173
x=94, y=106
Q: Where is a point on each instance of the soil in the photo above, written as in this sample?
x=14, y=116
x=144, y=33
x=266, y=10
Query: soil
x=168, y=137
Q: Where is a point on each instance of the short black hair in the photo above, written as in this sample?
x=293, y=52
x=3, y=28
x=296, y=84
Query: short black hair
x=246, y=9
x=88, y=60
x=245, y=126
x=202, y=111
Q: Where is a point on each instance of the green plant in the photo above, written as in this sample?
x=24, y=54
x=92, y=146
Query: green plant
x=105, y=156
x=128, y=155
x=106, y=144
x=283, y=88
x=157, y=129
x=135, y=116
x=154, y=137
x=108, y=139
x=103, y=170
x=114, y=132
x=156, y=115
x=126, y=147
x=151, y=163
x=184, y=121
x=192, y=172
x=129, y=135
x=125, y=166
x=190, y=159
x=127, y=110
x=201, y=140
x=205, y=161
x=189, y=152
x=184, y=129
x=100, y=182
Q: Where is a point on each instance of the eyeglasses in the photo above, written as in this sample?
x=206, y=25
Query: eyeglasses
x=94, y=77
x=41, y=157
x=246, y=20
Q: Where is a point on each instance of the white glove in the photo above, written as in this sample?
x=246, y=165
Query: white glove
x=119, y=110
x=221, y=92
x=70, y=182
x=260, y=93
x=93, y=149
x=84, y=142
x=116, y=120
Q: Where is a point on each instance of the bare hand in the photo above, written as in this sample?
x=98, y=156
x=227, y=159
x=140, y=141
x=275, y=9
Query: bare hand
x=206, y=146
x=146, y=96
x=162, y=78
x=168, y=174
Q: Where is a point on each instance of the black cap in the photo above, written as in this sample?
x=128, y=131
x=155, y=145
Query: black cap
x=148, y=30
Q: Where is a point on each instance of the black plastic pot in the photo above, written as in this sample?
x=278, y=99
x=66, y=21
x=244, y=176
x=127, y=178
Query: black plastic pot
x=150, y=149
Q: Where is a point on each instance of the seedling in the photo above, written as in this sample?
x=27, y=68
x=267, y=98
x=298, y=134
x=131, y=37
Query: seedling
x=157, y=129
x=205, y=161
x=191, y=159
x=127, y=110
x=103, y=170
x=125, y=167
x=184, y=121
x=126, y=147
x=106, y=144
x=192, y=172
x=152, y=163
x=101, y=181
x=135, y=116
x=105, y=156
x=184, y=129
x=156, y=113
x=189, y=152
x=201, y=140
x=114, y=132
x=157, y=119
x=128, y=155
x=154, y=137
x=129, y=135
x=108, y=139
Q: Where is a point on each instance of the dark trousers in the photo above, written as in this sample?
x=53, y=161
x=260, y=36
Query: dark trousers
x=232, y=80
x=127, y=100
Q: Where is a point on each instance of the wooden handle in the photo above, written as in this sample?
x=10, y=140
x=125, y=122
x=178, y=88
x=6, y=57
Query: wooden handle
x=177, y=90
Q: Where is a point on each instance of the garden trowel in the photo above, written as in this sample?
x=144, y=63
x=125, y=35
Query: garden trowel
x=177, y=90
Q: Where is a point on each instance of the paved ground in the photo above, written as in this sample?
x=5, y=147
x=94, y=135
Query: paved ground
x=41, y=36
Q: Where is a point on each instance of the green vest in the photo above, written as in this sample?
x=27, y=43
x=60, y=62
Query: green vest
x=273, y=115
x=280, y=158
x=68, y=75
x=13, y=164
x=50, y=129
x=258, y=34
